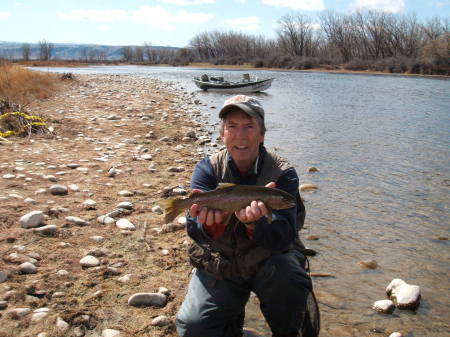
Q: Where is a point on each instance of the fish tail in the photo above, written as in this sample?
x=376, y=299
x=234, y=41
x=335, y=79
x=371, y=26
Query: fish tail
x=171, y=208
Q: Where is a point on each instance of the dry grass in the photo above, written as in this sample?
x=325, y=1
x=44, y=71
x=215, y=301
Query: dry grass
x=21, y=86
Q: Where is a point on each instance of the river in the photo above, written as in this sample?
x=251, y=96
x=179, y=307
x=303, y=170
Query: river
x=381, y=145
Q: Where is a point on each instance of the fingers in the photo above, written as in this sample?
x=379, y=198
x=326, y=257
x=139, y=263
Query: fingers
x=271, y=185
x=253, y=212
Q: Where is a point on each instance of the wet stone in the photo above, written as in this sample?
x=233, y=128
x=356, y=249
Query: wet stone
x=404, y=295
x=384, y=306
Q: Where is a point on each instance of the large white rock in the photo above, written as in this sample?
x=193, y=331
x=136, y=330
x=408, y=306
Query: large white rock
x=147, y=299
x=404, y=295
x=89, y=261
x=125, y=224
x=384, y=306
x=111, y=333
x=32, y=219
x=28, y=268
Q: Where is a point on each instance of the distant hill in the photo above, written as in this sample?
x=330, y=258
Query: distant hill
x=68, y=51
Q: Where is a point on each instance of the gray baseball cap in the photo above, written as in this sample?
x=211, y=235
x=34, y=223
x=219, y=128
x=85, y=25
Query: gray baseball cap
x=250, y=105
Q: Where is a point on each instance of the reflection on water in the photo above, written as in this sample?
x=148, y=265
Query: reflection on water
x=382, y=147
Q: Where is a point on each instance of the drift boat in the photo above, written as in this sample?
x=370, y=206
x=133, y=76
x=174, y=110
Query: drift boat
x=244, y=86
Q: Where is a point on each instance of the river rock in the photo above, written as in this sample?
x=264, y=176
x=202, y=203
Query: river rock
x=125, y=193
x=112, y=172
x=32, y=219
x=125, y=205
x=3, y=305
x=18, y=313
x=58, y=189
x=157, y=209
x=76, y=221
x=147, y=299
x=48, y=230
x=28, y=268
x=160, y=321
x=125, y=224
x=111, y=333
x=106, y=220
x=308, y=187
x=61, y=324
x=89, y=204
x=396, y=334
x=404, y=295
x=89, y=261
x=39, y=314
x=384, y=306
x=368, y=264
x=9, y=176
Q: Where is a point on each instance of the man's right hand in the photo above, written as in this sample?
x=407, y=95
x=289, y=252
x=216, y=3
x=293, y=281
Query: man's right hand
x=211, y=219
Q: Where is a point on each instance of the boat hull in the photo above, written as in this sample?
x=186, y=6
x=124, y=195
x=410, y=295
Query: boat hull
x=241, y=87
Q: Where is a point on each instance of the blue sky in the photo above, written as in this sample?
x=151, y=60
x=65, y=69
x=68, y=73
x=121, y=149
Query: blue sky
x=172, y=22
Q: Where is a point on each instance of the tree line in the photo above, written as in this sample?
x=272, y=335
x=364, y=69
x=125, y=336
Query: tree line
x=362, y=40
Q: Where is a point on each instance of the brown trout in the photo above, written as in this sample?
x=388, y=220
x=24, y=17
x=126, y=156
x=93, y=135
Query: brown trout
x=229, y=198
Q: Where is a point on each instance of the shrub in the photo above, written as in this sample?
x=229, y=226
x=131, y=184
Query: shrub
x=257, y=63
x=356, y=64
x=21, y=85
x=305, y=63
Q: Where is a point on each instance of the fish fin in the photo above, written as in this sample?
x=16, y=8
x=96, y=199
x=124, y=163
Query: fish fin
x=224, y=185
x=170, y=208
x=269, y=215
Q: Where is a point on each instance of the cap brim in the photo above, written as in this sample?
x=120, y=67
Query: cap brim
x=249, y=111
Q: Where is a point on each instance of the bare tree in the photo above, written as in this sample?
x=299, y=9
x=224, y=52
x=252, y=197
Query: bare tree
x=139, y=54
x=295, y=35
x=127, y=53
x=26, y=50
x=45, y=50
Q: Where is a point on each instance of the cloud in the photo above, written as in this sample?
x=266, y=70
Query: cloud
x=308, y=5
x=94, y=15
x=249, y=23
x=158, y=17
x=188, y=2
x=392, y=6
x=4, y=15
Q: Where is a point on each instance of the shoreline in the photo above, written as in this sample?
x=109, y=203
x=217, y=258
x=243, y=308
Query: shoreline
x=340, y=70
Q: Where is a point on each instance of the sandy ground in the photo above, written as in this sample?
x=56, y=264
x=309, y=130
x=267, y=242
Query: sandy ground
x=99, y=122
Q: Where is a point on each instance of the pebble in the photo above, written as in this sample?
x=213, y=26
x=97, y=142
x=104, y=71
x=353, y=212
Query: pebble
x=396, y=334
x=125, y=193
x=73, y=166
x=111, y=333
x=112, y=172
x=3, y=305
x=125, y=224
x=312, y=169
x=157, y=209
x=61, y=324
x=308, y=187
x=77, y=221
x=126, y=278
x=160, y=321
x=58, y=189
x=98, y=238
x=125, y=205
x=62, y=273
x=39, y=314
x=106, y=220
x=74, y=188
x=384, y=306
x=28, y=268
x=89, y=204
x=147, y=299
x=175, y=169
x=89, y=261
x=18, y=313
x=179, y=191
x=147, y=156
x=32, y=219
x=404, y=295
x=30, y=201
x=48, y=230
x=368, y=264
x=50, y=178
x=9, y=176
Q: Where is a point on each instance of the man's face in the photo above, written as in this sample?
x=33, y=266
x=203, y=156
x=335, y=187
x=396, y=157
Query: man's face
x=242, y=137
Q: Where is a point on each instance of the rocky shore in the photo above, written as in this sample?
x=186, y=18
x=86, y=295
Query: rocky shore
x=84, y=249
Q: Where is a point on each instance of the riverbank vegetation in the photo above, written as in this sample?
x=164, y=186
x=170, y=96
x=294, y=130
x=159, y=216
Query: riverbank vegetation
x=19, y=85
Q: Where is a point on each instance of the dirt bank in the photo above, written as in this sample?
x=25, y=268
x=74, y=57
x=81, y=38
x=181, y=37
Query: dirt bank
x=149, y=133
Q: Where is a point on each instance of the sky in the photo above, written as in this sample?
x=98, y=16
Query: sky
x=173, y=22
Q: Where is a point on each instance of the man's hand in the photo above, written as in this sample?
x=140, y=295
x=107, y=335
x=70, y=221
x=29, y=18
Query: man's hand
x=206, y=216
x=253, y=212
